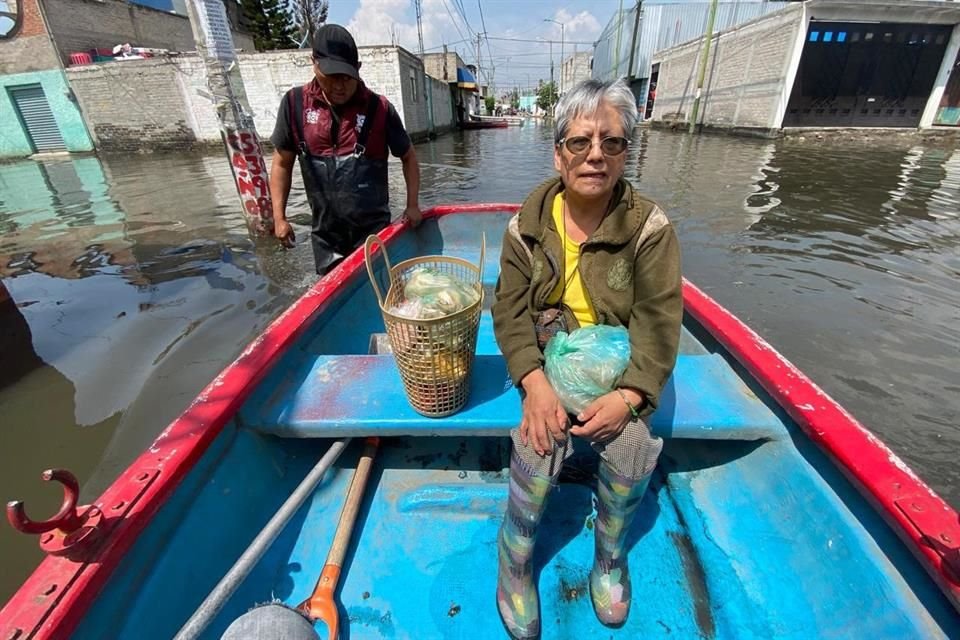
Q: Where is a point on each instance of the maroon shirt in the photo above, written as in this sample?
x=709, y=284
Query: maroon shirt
x=332, y=131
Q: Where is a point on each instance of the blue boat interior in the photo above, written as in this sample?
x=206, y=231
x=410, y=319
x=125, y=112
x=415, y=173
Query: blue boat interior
x=747, y=530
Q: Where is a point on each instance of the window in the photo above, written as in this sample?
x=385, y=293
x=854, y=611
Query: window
x=413, y=85
x=828, y=36
x=814, y=36
x=842, y=36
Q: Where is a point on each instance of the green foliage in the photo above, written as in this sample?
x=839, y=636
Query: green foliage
x=271, y=24
x=547, y=97
x=309, y=15
x=490, y=102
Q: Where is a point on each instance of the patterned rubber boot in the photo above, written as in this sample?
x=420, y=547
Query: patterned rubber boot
x=618, y=499
x=517, y=597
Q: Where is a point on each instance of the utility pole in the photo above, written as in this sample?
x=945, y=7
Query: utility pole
x=561, y=58
x=633, y=40
x=446, y=78
x=616, y=54
x=553, y=88
x=427, y=89
x=214, y=40
x=557, y=22
x=702, y=73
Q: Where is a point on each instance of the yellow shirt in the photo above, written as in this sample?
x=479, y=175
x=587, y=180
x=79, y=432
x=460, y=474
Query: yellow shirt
x=574, y=295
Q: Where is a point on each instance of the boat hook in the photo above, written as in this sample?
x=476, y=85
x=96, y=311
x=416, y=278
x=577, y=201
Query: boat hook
x=70, y=528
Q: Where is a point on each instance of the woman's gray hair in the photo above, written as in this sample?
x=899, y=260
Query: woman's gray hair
x=584, y=100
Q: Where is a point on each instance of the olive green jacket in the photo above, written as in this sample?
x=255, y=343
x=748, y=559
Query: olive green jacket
x=630, y=268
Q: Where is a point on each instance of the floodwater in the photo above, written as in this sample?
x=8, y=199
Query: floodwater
x=128, y=283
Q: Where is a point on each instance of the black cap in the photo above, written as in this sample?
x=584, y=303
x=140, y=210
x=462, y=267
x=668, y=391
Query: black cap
x=335, y=51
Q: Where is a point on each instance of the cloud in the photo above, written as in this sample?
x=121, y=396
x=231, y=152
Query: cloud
x=387, y=21
x=582, y=26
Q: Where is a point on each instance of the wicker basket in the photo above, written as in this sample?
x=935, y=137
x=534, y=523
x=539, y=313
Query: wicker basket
x=434, y=356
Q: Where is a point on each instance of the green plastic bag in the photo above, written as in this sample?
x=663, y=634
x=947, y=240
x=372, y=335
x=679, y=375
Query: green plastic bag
x=585, y=364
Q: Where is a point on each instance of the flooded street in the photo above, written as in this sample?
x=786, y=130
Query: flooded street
x=128, y=283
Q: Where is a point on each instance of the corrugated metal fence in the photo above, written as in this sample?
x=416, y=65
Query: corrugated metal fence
x=664, y=24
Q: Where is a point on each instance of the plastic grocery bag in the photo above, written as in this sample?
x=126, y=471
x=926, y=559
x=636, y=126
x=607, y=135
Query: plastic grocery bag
x=430, y=293
x=585, y=364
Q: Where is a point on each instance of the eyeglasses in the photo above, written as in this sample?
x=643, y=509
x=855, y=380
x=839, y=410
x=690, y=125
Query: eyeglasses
x=610, y=146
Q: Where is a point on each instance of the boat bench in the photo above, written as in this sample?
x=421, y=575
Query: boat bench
x=358, y=395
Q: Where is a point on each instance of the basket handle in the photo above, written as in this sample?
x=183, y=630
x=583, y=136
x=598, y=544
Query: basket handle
x=368, y=258
x=483, y=255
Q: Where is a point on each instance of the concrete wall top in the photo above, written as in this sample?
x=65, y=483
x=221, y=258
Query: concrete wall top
x=916, y=11
x=662, y=26
x=81, y=25
x=788, y=13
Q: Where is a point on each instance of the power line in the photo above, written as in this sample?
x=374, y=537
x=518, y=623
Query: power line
x=489, y=53
x=458, y=5
x=454, y=21
x=447, y=44
x=542, y=40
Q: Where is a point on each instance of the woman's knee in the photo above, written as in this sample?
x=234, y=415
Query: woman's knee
x=634, y=453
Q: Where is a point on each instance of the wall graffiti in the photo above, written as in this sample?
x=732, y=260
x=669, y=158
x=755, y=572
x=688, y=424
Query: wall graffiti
x=250, y=174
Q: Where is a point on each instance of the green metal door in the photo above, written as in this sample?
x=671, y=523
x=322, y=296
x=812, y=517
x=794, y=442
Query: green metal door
x=35, y=113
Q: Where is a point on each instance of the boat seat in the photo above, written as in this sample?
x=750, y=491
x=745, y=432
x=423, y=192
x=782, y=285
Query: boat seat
x=703, y=399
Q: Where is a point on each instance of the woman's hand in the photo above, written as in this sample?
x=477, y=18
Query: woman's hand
x=543, y=415
x=605, y=418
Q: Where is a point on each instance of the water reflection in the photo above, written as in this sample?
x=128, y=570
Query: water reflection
x=126, y=284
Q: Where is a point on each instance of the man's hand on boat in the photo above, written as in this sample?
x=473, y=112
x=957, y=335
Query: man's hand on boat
x=543, y=415
x=413, y=214
x=283, y=232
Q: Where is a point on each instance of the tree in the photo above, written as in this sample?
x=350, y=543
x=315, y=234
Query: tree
x=309, y=15
x=515, y=98
x=547, y=97
x=490, y=102
x=271, y=24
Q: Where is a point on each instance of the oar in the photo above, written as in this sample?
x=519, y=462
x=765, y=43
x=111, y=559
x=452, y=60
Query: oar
x=214, y=602
x=321, y=605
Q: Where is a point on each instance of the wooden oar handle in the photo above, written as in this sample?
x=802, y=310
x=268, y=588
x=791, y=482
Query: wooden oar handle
x=351, y=506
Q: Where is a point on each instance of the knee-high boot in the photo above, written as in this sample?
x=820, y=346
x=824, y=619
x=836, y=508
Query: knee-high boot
x=517, y=597
x=618, y=499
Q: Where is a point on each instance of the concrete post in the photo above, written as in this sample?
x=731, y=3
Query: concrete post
x=214, y=40
x=702, y=73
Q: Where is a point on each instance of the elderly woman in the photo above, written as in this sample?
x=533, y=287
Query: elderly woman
x=586, y=248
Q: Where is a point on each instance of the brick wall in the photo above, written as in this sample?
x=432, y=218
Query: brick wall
x=443, y=113
x=575, y=69
x=134, y=106
x=157, y=103
x=745, y=77
x=80, y=25
x=433, y=63
x=30, y=49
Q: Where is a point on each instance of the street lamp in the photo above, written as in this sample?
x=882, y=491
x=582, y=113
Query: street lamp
x=561, y=49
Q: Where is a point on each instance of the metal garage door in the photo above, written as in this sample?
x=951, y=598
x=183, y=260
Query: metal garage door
x=36, y=115
x=866, y=74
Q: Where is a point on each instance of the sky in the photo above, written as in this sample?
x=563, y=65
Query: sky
x=507, y=62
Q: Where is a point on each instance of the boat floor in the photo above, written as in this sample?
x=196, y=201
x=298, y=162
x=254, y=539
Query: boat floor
x=733, y=540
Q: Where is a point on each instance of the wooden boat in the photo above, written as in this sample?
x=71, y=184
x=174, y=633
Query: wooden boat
x=512, y=121
x=494, y=123
x=774, y=514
